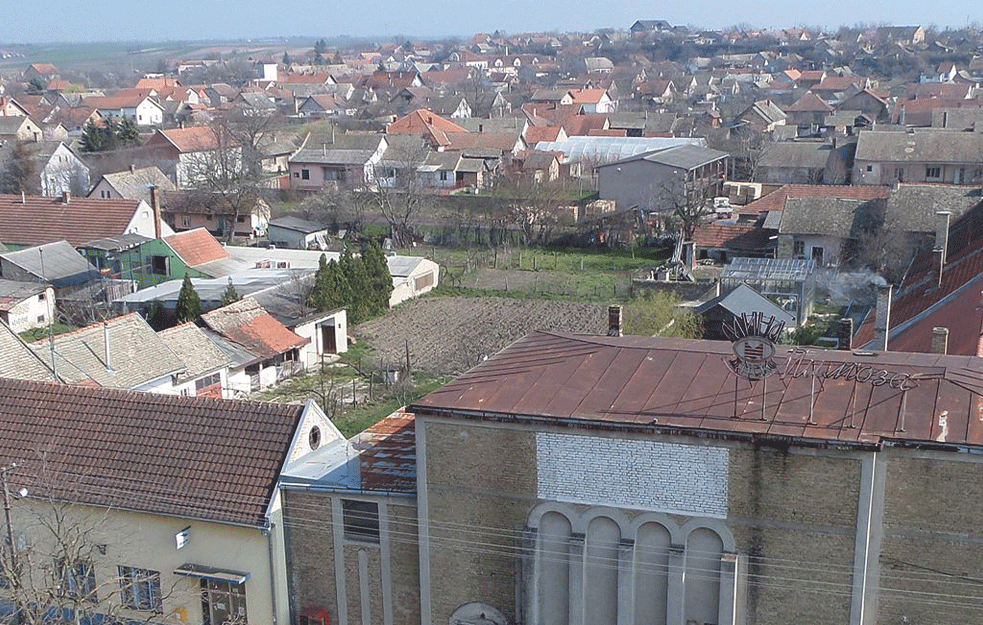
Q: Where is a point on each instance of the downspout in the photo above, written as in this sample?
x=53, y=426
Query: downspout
x=268, y=530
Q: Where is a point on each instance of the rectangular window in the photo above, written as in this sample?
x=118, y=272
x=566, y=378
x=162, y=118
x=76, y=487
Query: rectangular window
x=296, y=174
x=361, y=520
x=207, y=381
x=305, y=174
x=160, y=265
x=222, y=602
x=140, y=589
x=933, y=172
x=423, y=282
x=78, y=580
x=870, y=168
x=798, y=248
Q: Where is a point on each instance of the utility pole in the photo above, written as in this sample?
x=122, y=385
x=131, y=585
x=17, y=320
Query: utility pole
x=13, y=570
x=6, y=513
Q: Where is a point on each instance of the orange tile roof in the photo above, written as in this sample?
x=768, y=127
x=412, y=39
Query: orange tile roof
x=535, y=134
x=422, y=121
x=192, y=139
x=158, y=83
x=588, y=96
x=196, y=247
x=246, y=322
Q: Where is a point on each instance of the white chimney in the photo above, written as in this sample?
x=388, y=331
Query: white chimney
x=882, y=321
x=941, y=248
x=105, y=339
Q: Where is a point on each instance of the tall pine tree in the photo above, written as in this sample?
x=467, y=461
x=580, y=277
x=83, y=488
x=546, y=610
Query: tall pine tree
x=360, y=302
x=380, y=280
x=188, y=302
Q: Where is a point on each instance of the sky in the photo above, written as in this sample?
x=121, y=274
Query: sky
x=169, y=20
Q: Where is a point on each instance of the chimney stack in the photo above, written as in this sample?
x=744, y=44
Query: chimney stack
x=155, y=205
x=66, y=197
x=614, y=321
x=844, y=334
x=133, y=168
x=105, y=339
x=882, y=322
x=940, y=340
x=941, y=248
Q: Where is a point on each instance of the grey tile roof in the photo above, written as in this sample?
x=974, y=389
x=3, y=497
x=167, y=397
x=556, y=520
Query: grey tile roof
x=795, y=155
x=137, y=355
x=913, y=206
x=828, y=216
x=744, y=299
x=18, y=361
x=199, y=355
x=57, y=263
x=289, y=222
x=135, y=185
x=920, y=146
x=332, y=156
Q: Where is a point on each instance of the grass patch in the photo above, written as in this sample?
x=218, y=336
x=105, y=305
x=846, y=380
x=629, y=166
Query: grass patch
x=36, y=334
x=355, y=419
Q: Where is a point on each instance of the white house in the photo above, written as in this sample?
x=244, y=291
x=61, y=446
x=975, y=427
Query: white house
x=62, y=171
x=26, y=305
x=143, y=110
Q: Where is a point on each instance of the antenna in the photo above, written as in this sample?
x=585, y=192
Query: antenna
x=50, y=312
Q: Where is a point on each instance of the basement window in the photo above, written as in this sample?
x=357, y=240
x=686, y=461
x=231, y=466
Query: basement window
x=361, y=520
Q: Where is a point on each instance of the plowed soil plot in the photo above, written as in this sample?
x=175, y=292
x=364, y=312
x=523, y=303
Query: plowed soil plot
x=449, y=335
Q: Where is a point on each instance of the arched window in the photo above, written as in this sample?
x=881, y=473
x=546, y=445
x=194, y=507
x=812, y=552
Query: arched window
x=704, y=549
x=601, y=571
x=652, y=543
x=552, y=554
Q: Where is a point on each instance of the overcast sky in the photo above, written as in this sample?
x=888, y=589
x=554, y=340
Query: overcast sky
x=125, y=20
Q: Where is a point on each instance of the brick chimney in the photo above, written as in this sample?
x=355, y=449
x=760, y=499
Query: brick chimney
x=155, y=205
x=614, y=321
x=66, y=197
x=941, y=247
x=844, y=334
x=940, y=340
x=882, y=322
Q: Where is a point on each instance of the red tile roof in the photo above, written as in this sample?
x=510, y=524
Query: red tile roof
x=196, y=247
x=192, y=139
x=776, y=199
x=731, y=236
x=582, y=125
x=535, y=134
x=922, y=304
x=684, y=387
x=387, y=455
x=808, y=103
x=422, y=121
x=189, y=457
x=37, y=219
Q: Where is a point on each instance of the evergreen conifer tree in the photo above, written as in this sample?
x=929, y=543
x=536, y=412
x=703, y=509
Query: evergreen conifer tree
x=380, y=280
x=230, y=295
x=360, y=304
x=188, y=302
x=157, y=316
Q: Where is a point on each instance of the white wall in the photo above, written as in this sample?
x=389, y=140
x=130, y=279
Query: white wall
x=310, y=354
x=34, y=312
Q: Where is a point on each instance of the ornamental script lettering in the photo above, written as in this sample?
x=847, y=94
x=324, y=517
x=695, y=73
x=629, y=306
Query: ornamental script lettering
x=798, y=366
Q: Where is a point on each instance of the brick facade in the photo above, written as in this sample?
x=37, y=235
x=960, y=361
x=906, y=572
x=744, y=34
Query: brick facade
x=312, y=538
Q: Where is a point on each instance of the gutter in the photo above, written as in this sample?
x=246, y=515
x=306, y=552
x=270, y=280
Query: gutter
x=652, y=427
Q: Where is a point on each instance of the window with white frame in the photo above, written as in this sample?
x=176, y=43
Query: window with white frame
x=140, y=589
x=933, y=172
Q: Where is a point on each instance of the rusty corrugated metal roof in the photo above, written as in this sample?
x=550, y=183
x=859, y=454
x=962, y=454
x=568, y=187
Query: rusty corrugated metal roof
x=387, y=454
x=686, y=386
